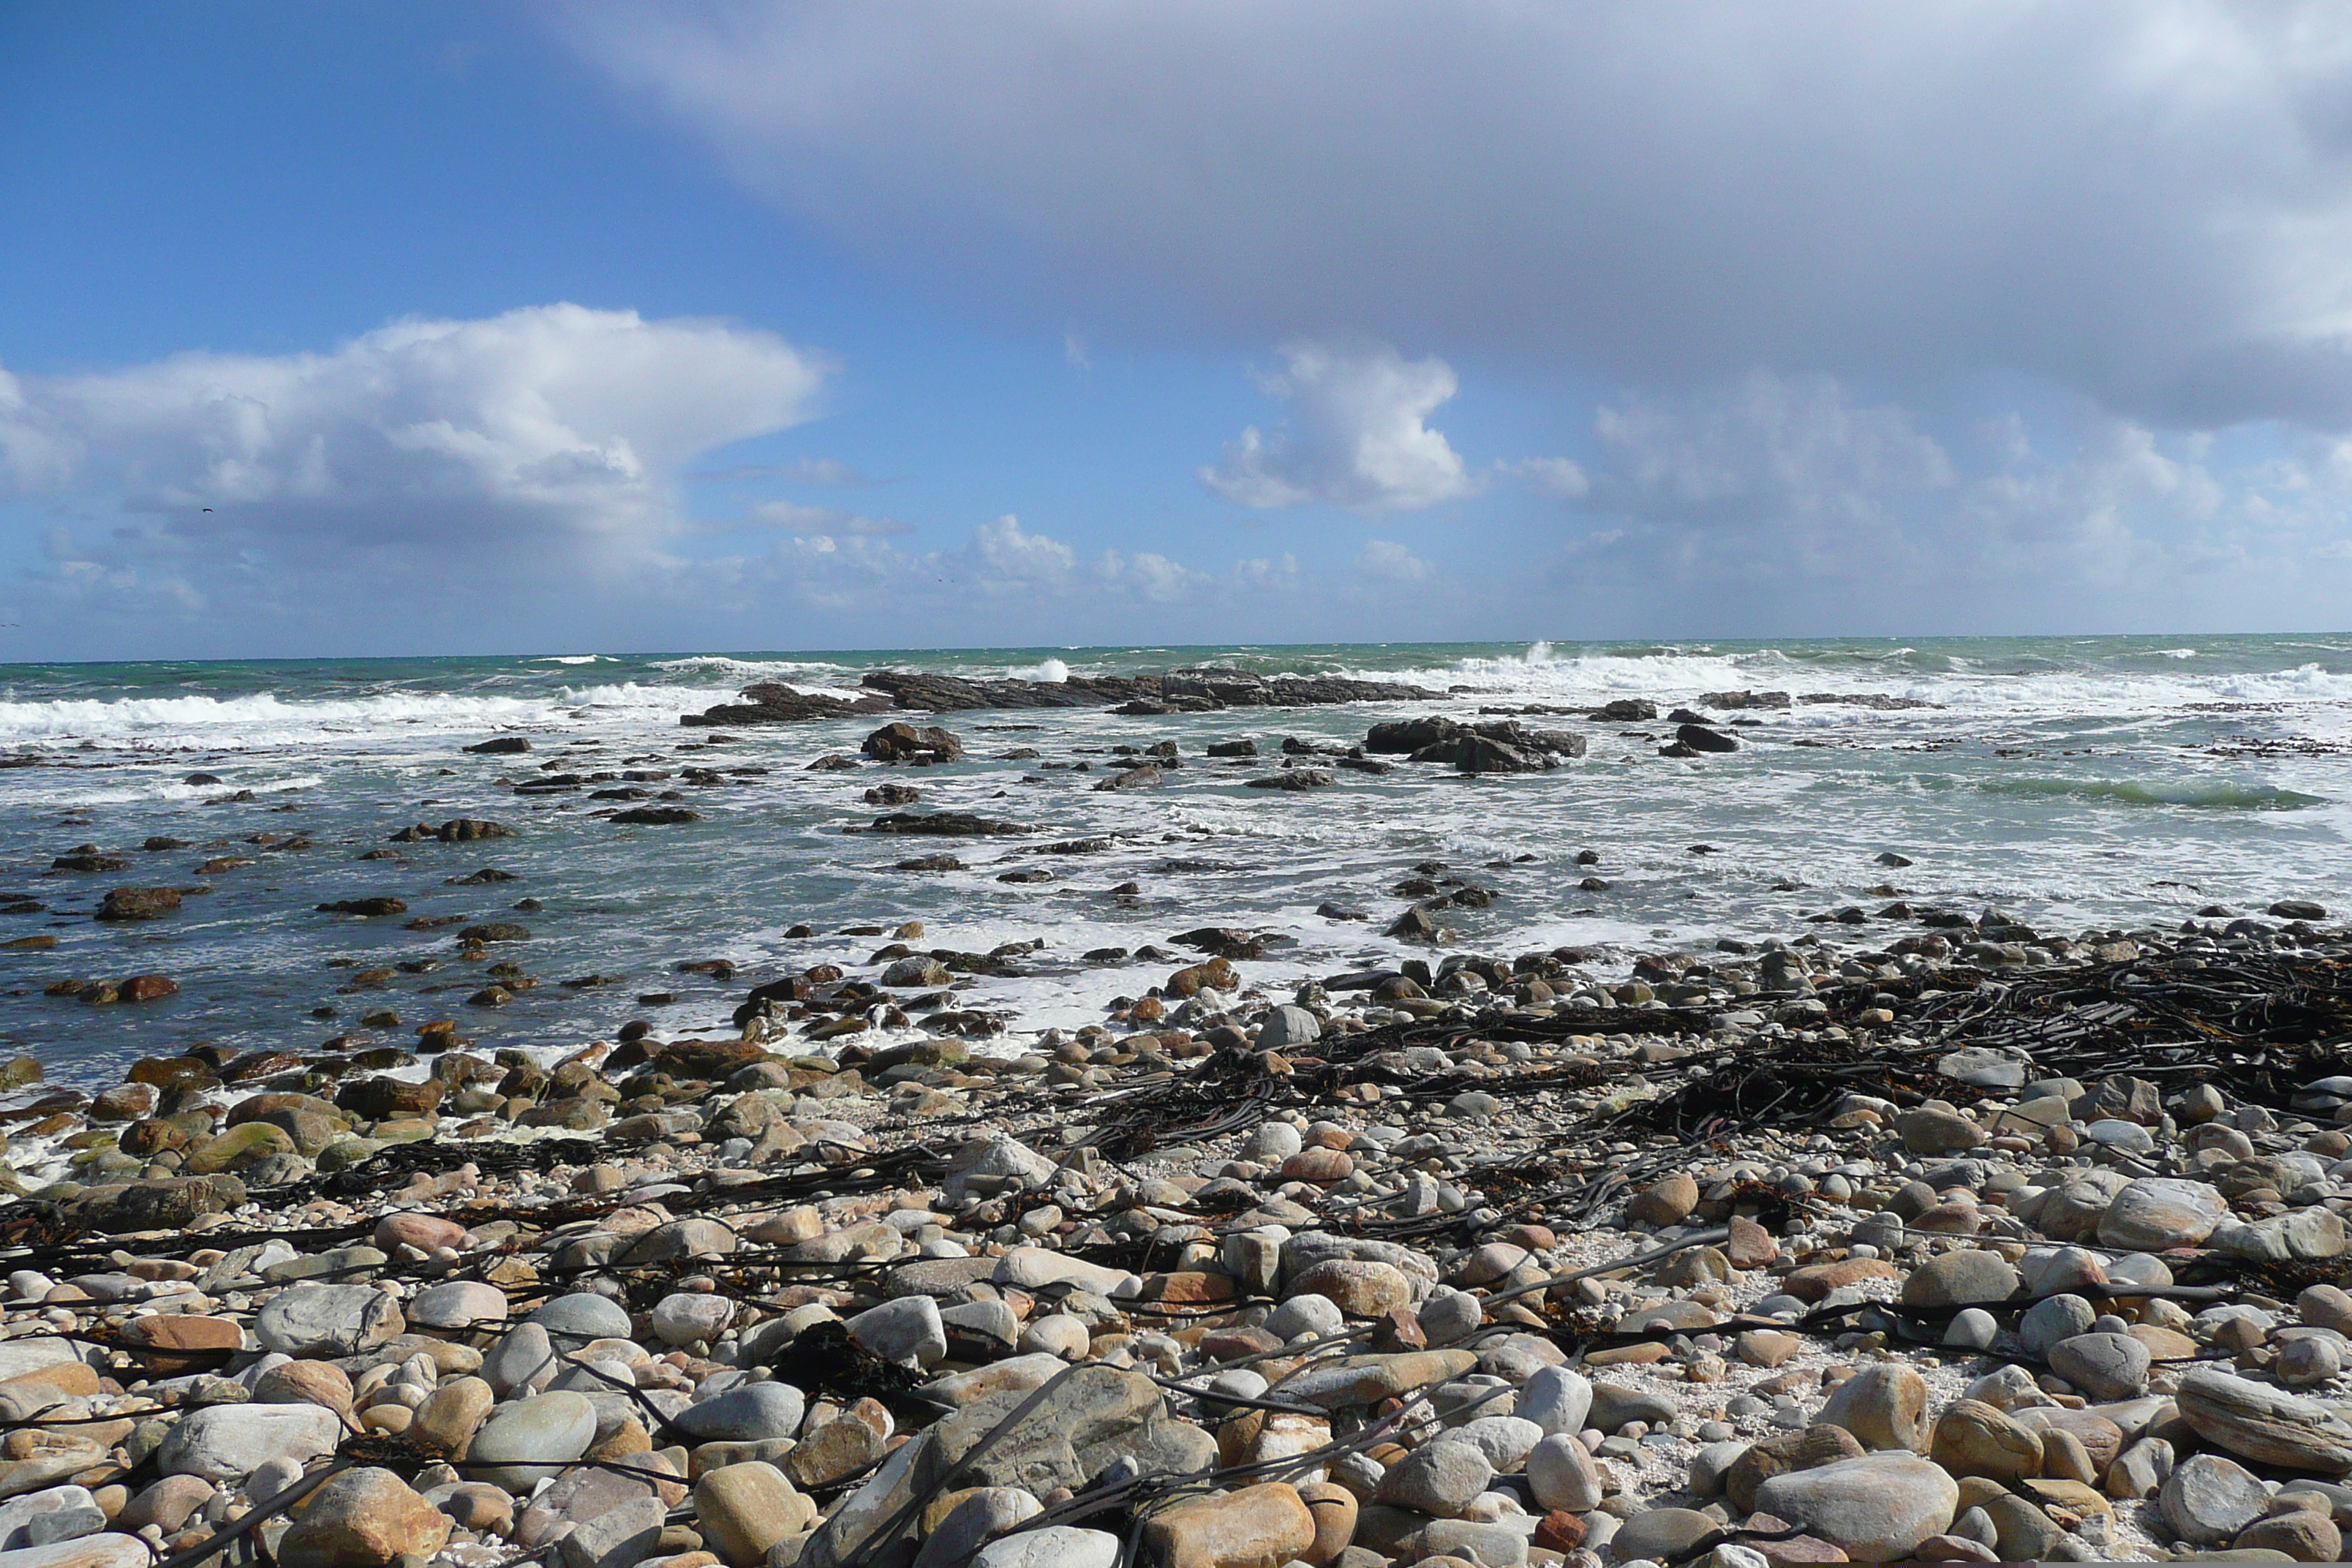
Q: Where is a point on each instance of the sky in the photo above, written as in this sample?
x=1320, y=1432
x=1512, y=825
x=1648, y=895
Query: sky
x=429, y=328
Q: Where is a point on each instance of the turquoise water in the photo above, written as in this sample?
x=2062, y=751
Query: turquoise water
x=2075, y=782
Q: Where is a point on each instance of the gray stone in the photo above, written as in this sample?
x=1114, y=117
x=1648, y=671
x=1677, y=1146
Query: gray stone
x=617, y=1538
x=524, y=1356
x=229, y=1442
x=908, y=1330
x=523, y=1443
x=578, y=1318
x=2140, y=1470
x=19, y=1515
x=327, y=1321
x=1973, y=1329
x=1660, y=1533
x=1557, y=1399
x=459, y=1304
x=2103, y=1366
x=1056, y=1546
x=1614, y=1404
x=746, y=1412
x=979, y=1518
x=2158, y=1212
x=1503, y=1439
x=996, y=1163
x=2208, y=1500
x=1878, y=1507
x=1439, y=1478
x=2304, y=1234
x=1960, y=1280
x=1985, y=1066
x=1287, y=1026
x=1561, y=1473
x=2266, y=1425
x=686, y=1316
x=2047, y=1322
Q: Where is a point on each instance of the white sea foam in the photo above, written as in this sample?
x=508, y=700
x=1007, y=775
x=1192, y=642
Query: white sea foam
x=264, y=718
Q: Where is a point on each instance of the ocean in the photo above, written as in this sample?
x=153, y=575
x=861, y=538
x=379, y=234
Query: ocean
x=2073, y=783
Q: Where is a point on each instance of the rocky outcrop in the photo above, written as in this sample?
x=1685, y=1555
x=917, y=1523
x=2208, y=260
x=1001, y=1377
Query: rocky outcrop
x=1178, y=690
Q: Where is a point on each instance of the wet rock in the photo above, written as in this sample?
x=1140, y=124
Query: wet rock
x=137, y=904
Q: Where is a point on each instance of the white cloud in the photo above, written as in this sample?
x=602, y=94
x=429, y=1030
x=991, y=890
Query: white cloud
x=1559, y=478
x=801, y=471
x=1786, y=503
x=556, y=426
x=1357, y=435
x=1392, y=563
x=2139, y=201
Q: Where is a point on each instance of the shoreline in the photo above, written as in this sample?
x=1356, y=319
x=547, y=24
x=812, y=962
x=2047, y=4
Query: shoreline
x=1433, y=1174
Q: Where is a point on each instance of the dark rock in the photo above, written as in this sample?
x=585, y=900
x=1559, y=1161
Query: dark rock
x=2298, y=910
x=383, y=1099
x=1144, y=777
x=457, y=830
x=902, y=742
x=139, y=903
x=1628, y=710
x=171, y=1204
x=1233, y=749
x=494, y=931
x=941, y=824
x=1699, y=738
x=1292, y=779
x=655, y=816
x=88, y=860
x=385, y=906
x=500, y=746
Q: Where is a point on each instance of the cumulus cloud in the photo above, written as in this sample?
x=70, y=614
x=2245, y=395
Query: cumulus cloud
x=555, y=425
x=1389, y=561
x=1357, y=436
x=2140, y=201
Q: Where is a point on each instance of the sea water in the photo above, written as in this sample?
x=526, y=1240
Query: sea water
x=2072, y=783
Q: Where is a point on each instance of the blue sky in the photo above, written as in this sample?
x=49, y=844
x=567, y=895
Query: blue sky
x=377, y=329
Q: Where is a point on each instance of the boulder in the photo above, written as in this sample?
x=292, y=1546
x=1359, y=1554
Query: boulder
x=1877, y=1507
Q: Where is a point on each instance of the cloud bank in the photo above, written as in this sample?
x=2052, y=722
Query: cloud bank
x=2146, y=203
